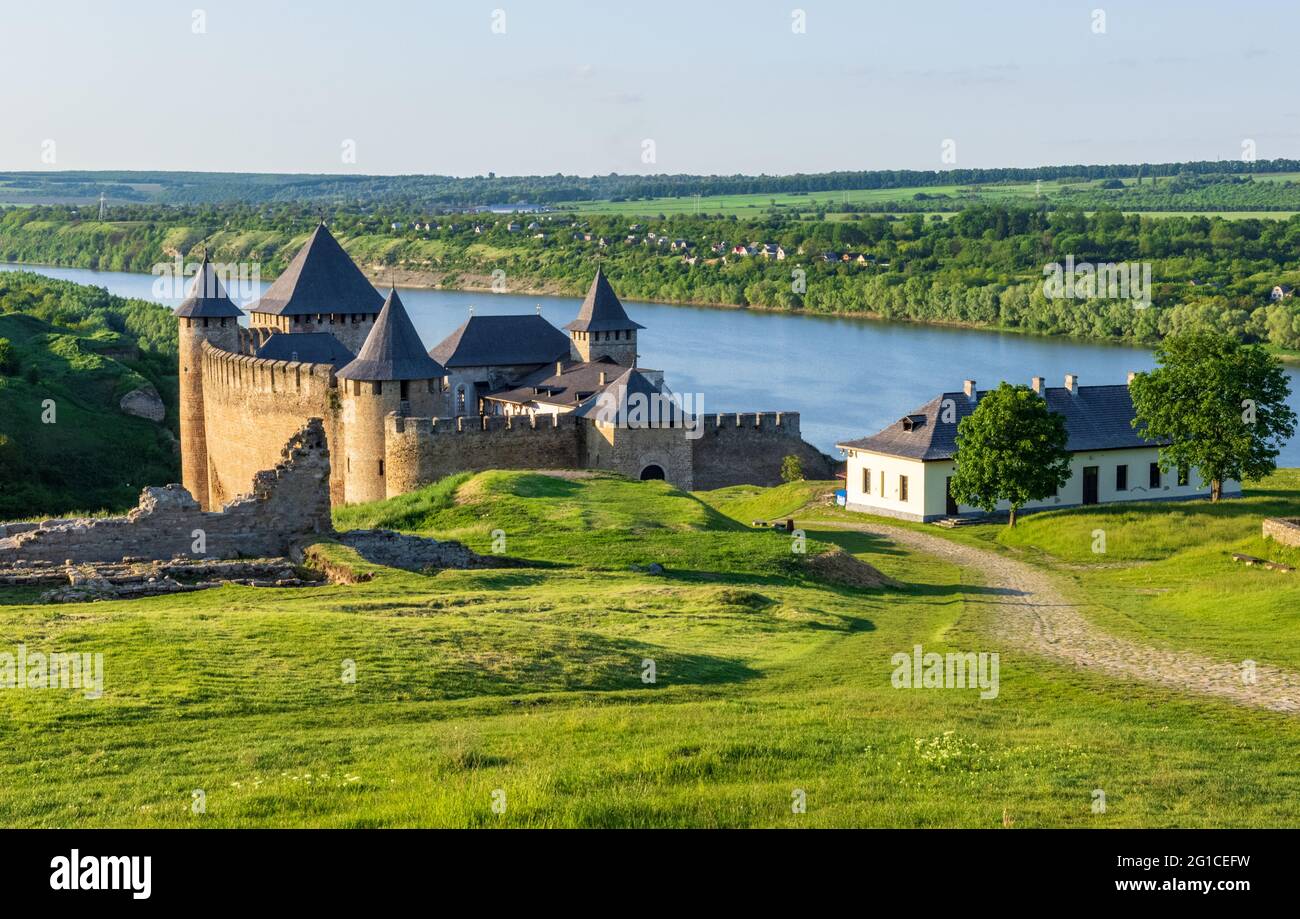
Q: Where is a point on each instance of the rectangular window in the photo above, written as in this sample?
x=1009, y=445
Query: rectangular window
x=405, y=386
x=1121, y=478
x=379, y=388
x=866, y=481
x=882, y=483
x=1154, y=476
x=902, y=488
x=1183, y=475
x=381, y=469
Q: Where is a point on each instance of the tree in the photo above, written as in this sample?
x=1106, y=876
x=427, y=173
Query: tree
x=791, y=469
x=1011, y=448
x=1219, y=405
x=8, y=359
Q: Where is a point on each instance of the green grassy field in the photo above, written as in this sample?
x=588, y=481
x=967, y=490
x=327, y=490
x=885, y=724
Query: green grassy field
x=947, y=199
x=527, y=682
x=756, y=204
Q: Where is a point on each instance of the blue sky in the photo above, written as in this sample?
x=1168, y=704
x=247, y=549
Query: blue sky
x=429, y=87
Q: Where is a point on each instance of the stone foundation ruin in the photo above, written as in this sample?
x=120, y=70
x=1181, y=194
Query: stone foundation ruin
x=168, y=544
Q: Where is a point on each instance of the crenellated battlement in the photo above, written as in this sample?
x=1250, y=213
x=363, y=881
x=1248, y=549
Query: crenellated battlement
x=521, y=424
x=777, y=422
x=258, y=374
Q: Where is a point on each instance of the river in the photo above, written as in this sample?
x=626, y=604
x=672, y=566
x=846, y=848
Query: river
x=847, y=377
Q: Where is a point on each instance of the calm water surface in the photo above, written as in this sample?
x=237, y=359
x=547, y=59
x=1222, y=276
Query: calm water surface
x=846, y=377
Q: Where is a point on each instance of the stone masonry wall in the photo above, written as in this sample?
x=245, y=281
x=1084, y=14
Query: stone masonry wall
x=251, y=406
x=1285, y=530
x=419, y=451
x=747, y=449
x=629, y=450
x=284, y=504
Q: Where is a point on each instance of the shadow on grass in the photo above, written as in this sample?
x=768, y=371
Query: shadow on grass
x=21, y=596
x=856, y=542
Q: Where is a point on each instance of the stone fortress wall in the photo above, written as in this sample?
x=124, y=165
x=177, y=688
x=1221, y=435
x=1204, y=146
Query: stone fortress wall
x=420, y=451
x=251, y=406
x=749, y=447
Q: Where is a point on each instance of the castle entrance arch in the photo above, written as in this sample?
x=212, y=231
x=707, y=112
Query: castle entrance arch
x=652, y=472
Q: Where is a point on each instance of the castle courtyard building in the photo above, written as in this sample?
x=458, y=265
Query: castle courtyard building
x=906, y=469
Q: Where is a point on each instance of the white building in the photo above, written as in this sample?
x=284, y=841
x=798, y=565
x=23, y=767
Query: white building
x=904, y=470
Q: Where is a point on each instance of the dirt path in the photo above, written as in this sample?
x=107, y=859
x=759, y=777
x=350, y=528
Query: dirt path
x=1032, y=614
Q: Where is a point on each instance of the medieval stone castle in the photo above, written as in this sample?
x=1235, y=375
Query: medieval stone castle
x=501, y=392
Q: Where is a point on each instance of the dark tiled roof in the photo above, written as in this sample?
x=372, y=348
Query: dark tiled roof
x=393, y=350
x=601, y=310
x=307, y=347
x=208, y=299
x=320, y=279
x=502, y=341
x=577, y=382
x=1096, y=418
x=629, y=401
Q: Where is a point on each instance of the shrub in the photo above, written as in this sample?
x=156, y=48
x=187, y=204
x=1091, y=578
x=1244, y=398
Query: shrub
x=791, y=469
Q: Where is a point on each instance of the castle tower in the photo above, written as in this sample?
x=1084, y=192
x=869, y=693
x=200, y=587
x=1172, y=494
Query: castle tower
x=322, y=290
x=206, y=315
x=391, y=373
x=602, y=328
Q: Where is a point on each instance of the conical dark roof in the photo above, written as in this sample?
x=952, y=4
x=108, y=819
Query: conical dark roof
x=322, y=278
x=393, y=350
x=601, y=311
x=208, y=299
x=635, y=400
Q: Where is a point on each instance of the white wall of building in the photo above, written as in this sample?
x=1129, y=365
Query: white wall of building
x=927, y=483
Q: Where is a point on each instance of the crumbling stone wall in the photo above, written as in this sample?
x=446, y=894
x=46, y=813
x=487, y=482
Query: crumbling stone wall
x=747, y=448
x=287, y=503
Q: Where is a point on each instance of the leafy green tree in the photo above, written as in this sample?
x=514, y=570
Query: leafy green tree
x=8, y=359
x=791, y=469
x=1011, y=448
x=1220, y=405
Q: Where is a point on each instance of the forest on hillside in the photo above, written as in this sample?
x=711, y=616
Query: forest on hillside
x=983, y=266
x=68, y=353
x=432, y=191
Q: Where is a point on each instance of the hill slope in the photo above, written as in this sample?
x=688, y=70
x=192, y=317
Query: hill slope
x=65, y=444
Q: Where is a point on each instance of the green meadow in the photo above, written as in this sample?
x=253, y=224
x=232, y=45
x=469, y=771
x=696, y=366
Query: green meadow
x=527, y=685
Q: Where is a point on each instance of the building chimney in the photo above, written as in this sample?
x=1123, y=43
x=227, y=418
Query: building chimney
x=968, y=386
x=602, y=378
x=1038, y=385
x=1131, y=375
x=559, y=368
x=1072, y=383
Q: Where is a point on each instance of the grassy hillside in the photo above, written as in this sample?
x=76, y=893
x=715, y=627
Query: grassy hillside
x=527, y=681
x=92, y=456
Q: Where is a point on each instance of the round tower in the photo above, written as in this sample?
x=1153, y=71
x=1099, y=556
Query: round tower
x=206, y=315
x=392, y=373
x=603, y=328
